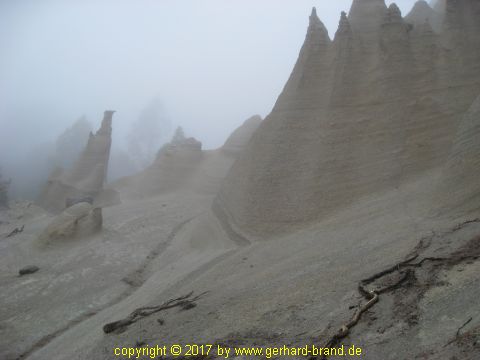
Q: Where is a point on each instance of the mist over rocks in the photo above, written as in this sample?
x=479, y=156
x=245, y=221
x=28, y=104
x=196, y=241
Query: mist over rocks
x=375, y=108
x=366, y=168
x=422, y=13
x=182, y=164
x=175, y=164
x=87, y=176
x=4, y=185
x=70, y=144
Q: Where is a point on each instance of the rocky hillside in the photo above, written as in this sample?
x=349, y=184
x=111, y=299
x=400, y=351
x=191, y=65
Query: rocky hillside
x=376, y=107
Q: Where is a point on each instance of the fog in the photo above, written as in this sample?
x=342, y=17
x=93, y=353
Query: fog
x=211, y=64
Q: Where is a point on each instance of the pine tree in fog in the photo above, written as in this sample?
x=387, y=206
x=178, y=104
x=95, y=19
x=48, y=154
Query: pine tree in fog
x=148, y=133
x=71, y=143
x=4, y=184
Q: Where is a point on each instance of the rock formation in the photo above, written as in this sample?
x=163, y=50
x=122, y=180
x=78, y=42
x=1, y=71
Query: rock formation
x=238, y=140
x=422, y=13
x=375, y=108
x=459, y=183
x=183, y=164
x=180, y=142
x=439, y=5
x=175, y=163
x=77, y=221
x=87, y=176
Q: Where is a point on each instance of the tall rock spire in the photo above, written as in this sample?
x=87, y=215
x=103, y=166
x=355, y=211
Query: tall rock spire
x=370, y=112
x=394, y=14
x=366, y=16
x=310, y=66
x=317, y=33
x=88, y=175
x=421, y=13
x=106, y=127
x=344, y=28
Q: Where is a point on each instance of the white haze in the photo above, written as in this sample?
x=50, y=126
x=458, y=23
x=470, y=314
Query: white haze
x=213, y=63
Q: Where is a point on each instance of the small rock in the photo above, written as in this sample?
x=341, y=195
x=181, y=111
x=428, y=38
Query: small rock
x=28, y=270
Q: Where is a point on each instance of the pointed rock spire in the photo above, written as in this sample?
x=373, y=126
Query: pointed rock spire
x=344, y=28
x=88, y=174
x=106, y=127
x=394, y=14
x=422, y=12
x=317, y=32
x=366, y=16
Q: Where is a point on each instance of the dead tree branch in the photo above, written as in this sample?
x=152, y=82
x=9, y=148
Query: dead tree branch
x=406, y=269
x=185, y=302
x=16, y=231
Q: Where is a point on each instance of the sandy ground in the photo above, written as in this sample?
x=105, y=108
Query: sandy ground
x=295, y=289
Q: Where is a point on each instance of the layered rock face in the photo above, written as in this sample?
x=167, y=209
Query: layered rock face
x=239, y=139
x=374, y=108
x=86, y=178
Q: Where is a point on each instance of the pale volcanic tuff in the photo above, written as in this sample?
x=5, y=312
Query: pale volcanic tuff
x=372, y=109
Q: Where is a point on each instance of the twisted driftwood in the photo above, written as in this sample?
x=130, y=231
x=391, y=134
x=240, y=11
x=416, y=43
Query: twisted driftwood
x=186, y=302
x=372, y=296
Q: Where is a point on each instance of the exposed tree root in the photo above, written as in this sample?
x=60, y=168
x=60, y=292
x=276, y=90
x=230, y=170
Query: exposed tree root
x=185, y=302
x=406, y=270
x=16, y=231
x=457, y=335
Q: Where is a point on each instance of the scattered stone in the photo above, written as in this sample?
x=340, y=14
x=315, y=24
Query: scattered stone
x=28, y=270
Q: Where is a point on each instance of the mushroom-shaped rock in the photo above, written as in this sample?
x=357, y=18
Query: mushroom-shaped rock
x=79, y=220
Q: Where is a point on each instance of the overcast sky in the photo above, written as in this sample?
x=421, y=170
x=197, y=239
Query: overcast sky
x=213, y=63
